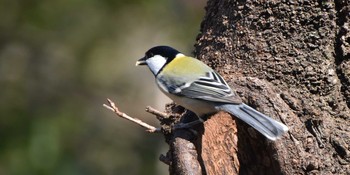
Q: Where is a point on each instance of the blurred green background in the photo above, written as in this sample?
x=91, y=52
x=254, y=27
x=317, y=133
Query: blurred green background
x=60, y=60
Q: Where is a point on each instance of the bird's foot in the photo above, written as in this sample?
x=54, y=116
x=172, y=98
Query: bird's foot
x=188, y=125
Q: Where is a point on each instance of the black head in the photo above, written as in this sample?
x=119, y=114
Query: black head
x=157, y=57
x=165, y=51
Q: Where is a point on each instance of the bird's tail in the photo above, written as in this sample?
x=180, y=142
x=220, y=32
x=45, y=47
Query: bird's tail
x=267, y=126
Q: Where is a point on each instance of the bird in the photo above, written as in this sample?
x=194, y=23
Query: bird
x=194, y=85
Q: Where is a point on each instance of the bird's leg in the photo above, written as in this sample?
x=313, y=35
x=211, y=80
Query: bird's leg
x=189, y=124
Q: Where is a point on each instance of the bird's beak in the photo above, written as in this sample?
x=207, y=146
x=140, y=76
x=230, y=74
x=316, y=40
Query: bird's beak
x=141, y=61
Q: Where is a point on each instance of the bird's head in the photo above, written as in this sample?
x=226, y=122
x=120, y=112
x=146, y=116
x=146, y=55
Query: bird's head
x=157, y=57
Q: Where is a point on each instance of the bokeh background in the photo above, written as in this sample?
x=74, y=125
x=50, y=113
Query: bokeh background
x=60, y=60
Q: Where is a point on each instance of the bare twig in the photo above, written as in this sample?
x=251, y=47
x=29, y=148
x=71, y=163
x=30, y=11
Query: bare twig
x=113, y=108
x=156, y=112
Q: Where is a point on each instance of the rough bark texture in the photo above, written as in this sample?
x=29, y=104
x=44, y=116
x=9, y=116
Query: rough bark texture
x=291, y=61
x=185, y=152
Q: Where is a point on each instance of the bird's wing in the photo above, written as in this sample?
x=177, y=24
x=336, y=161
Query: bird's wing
x=211, y=87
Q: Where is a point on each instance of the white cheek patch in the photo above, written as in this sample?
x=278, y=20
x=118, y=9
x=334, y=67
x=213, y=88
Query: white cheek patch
x=155, y=63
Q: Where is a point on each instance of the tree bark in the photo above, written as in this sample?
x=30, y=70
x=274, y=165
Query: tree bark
x=289, y=60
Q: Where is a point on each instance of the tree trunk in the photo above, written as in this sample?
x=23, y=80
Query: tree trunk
x=289, y=60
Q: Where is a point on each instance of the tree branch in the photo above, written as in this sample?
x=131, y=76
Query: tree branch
x=111, y=106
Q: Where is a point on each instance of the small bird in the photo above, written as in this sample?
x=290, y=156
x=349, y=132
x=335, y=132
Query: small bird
x=197, y=87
